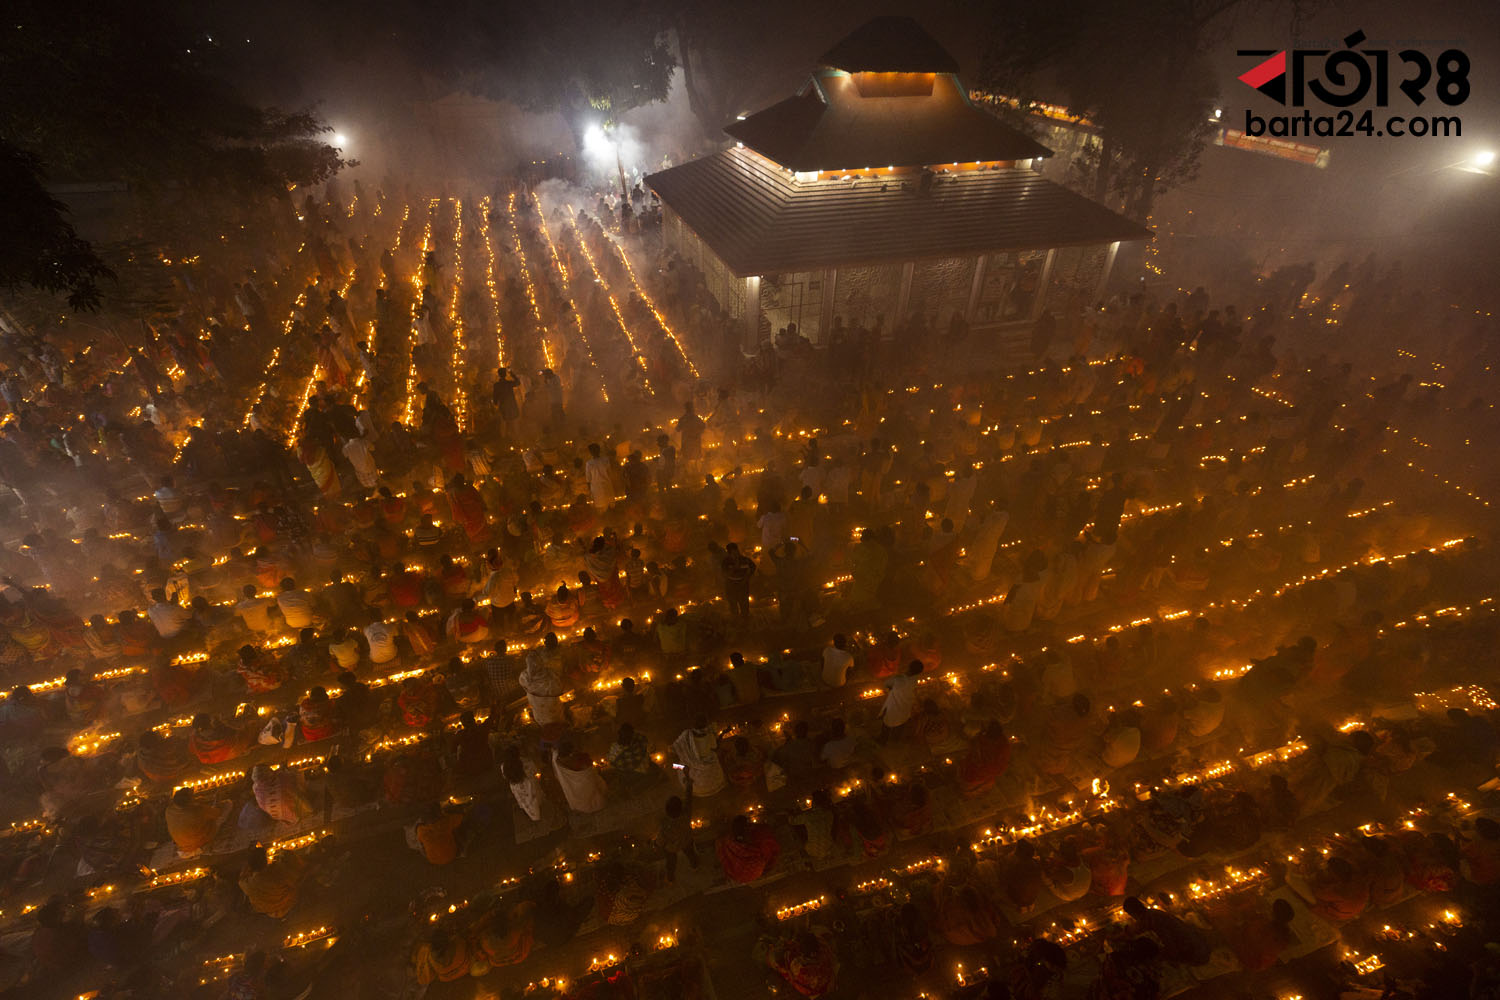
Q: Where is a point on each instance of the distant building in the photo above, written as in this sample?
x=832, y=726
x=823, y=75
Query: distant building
x=881, y=193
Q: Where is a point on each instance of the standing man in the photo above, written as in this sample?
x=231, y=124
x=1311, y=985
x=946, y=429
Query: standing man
x=737, y=570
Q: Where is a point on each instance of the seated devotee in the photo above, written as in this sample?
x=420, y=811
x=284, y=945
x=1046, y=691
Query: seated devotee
x=700, y=764
x=985, y=760
x=964, y=914
x=1108, y=859
x=582, y=785
x=836, y=661
x=1339, y=892
x=1021, y=876
x=868, y=821
x=1180, y=941
x=807, y=961
x=467, y=624
x=911, y=810
x=299, y=609
x=1481, y=853
x=161, y=759
x=472, y=754
x=193, y=822
x=629, y=756
x=439, y=834
x=59, y=939
x=814, y=827
x=1122, y=740
x=316, y=716
x=259, y=670
x=542, y=681
x=1064, y=734
x=279, y=793
x=623, y=891
x=1228, y=829
x=747, y=850
x=1431, y=860
x=1256, y=936
x=214, y=742
x=744, y=764
x=798, y=756
x=525, y=786
x=1067, y=874
x=381, y=640
x=505, y=934
x=348, y=784
x=421, y=701
x=272, y=887
x=440, y=957
x=84, y=701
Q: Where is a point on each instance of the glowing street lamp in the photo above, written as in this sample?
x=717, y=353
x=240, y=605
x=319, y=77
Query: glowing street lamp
x=599, y=143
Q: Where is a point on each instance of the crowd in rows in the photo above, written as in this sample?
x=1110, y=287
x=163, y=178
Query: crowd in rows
x=467, y=522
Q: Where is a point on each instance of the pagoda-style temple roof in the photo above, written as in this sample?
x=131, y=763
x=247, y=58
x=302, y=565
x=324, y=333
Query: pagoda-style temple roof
x=760, y=220
x=889, y=45
x=832, y=125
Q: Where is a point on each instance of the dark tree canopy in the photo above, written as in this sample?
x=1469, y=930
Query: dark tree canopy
x=1137, y=70
x=586, y=60
x=109, y=92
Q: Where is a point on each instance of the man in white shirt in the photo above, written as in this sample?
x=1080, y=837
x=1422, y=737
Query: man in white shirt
x=169, y=617
x=772, y=526
x=382, y=641
x=836, y=662
x=900, y=701
x=601, y=483
x=170, y=501
x=297, y=606
x=357, y=451
x=542, y=682
x=255, y=611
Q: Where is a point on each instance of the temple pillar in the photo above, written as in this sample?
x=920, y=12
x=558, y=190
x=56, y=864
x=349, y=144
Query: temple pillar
x=1109, y=265
x=1041, y=285
x=825, y=315
x=976, y=287
x=752, y=311
x=904, y=299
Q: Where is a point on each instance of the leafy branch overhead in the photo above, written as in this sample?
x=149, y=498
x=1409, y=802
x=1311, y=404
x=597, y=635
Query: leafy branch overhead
x=1138, y=71
x=109, y=93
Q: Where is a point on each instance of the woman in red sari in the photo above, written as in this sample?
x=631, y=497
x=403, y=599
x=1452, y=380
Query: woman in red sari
x=884, y=658
x=392, y=508
x=988, y=758
x=316, y=716
x=807, y=962
x=319, y=467
x=744, y=764
x=965, y=916
x=468, y=509
x=214, y=742
x=603, y=564
x=418, y=702
x=747, y=851
x=259, y=670
x=563, y=611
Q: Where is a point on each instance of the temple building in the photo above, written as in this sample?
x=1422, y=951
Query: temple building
x=880, y=195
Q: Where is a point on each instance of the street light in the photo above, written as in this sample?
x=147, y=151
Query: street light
x=340, y=140
x=1484, y=159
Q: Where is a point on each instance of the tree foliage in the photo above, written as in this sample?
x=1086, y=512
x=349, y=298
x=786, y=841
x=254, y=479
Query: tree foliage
x=587, y=60
x=1139, y=71
x=110, y=92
